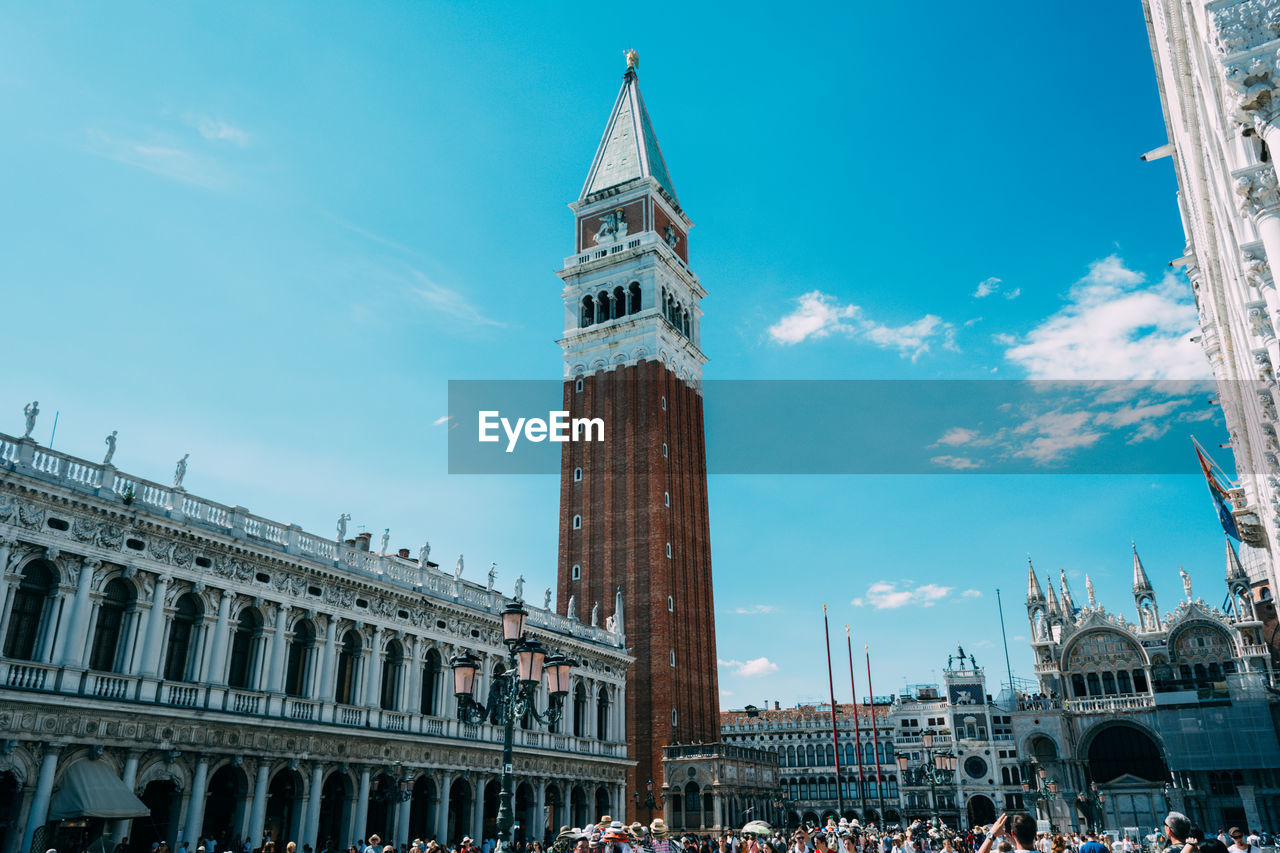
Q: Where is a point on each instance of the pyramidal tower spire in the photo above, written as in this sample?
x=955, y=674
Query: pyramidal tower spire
x=1235, y=571
x=1141, y=583
x=1053, y=599
x=1034, y=592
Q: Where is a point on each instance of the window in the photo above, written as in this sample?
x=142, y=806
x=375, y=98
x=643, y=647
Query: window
x=671, y=604
x=668, y=550
x=117, y=601
x=298, y=655
x=431, y=684
x=664, y=450
x=577, y=572
x=664, y=402
x=577, y=475
x=666, y=499
x=673, y=717
x=27, y=612
x=673, y=657
x=602, y=714
x=577, y=386
x=633, y=297
x=248, y=629
x=577, y=522
x=177, y=661
x=348, y=657
x=392, y=672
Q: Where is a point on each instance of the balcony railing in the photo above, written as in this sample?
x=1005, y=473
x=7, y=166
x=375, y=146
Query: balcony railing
x=1110, y=704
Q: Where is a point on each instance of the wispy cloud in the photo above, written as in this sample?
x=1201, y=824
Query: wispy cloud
x=159, y=157
x=957, y=436
x=971, y=593
x=992, y=286
x=217, y=130
x=446, y=300
x=820, y=315
x=755, y=609
x=890, y=595
x=1115, y=325
x=443, y=419
x=749, y=668
x=956, y=463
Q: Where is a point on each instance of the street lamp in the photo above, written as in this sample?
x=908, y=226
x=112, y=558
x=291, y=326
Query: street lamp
x=1094, y=799
x=512, y=695
x=938, y=768
x=1038, y=784
x=648, y=802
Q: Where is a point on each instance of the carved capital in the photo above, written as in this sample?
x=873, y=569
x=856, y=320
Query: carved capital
x=1253, y=260
x=1245, y=25
x=92, y=563
x=1257, y=189
x=1259, y=321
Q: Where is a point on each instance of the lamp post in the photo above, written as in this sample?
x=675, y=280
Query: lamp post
x=938, y=768
x=1093, y=799
x=512, y=695
x=1038, y=784
x=648, y=802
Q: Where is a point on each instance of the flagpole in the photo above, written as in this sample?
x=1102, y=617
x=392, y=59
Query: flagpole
x=875, y=735
x=835, y=740
x=857, y=728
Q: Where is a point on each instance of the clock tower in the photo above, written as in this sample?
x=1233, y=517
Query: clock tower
x=633, y=509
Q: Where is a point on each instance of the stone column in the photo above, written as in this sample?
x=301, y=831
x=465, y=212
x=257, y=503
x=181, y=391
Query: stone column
x=155, y=629
x=194, y=822
x=328, y=670
x=130, y=775
x=258, y=813
x=373, y=683
x=361, y=819
x=539, y=829
x=275, y=675
x=73, y=638
x=443, y=783
x=411, y=701
x=51, y=624
x=1249, y=800
x=402, y=823
x=311, y=828
x=39, y=813
x=477, y=810
x=220, y=639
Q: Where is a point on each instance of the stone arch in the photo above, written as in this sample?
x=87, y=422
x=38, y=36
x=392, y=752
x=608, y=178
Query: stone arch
x=1119, y=747
x=228, y=793
x=980, y=810
x=1040, y=746
x=285, y=788
x=1181, y=633
x=162, y=770
x=20, y=763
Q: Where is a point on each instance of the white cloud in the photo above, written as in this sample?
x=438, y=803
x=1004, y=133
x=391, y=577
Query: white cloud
x=157, y=157
x=216, y=130
x=886, y=595
x=987, y=287
x=755, y=609
x=750, y=668
x=957, y=436
x=450, y=301
x=956, y=463
x=443, y=419
x=724, y=692
x=1004, y=339
x=971, y=593
x=1013, y=294
x=1115, y=325
x=819, y=315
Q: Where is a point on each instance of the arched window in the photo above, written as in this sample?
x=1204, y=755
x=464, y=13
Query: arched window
x=179, y=651
x=577, y=572
x=868, y=753
x=666, y=499
x=602, y=306
x=830, y=755
x=117, y=601
x=685, y=323
x=891, y=786
x=602, y=714
x=244, y=648
x=1139, y=681
x=811, y=755
x=431, y=683
x=1077, y=686
x=1109, y=683
x=588, y=313
x=1126, y=686
x=1202, y=675
x=850, y=753
x=577, y=475
x=633, y=300
x=577, y=522
x=619, y=302
x=671, y=604
x=392, y=673
x=298, y=664
x=348, y=657
x=27, y=613
x=791, y=757
x=668, y=550
x=1095, y=685
x=580, y=711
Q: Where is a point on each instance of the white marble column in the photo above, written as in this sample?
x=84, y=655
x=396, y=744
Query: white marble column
x=443, y=782
x=362, y=806
x=155, y=629
x=411, y=702
x=130, y=775
x=312, y=826
x=477, y=809
x=39, y=812
x=330, y=660
x=373, y=681
x=402, y=823
x=195, y=811
x=258, y=812
x=73, y=638
x=275, y=676
x=219, y=640
x=52, y=624
x=539, y=829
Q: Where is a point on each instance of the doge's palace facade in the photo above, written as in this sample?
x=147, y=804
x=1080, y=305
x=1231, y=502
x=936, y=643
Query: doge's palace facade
x=245, y=678
x=1216, y=65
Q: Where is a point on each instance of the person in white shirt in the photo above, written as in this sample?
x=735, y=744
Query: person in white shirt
x=1240, y=844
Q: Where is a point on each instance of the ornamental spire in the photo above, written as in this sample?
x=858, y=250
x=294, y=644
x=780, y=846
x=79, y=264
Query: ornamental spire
x=1235, y=571
x=1053, y=598
x=1034, y=592
x=1141, y=583
x=629, y=149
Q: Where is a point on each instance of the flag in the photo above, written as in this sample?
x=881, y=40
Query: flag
x=1220, y=499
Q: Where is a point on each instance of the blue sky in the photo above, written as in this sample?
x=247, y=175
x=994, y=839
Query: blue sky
x=269, y=235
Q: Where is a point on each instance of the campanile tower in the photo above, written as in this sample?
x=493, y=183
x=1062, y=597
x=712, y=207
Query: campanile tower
x=633, y=510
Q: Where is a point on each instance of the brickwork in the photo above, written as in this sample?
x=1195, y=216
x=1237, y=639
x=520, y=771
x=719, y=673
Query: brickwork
x=634, y=499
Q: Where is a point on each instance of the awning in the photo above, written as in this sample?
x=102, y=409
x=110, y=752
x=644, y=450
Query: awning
x=90, y=789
